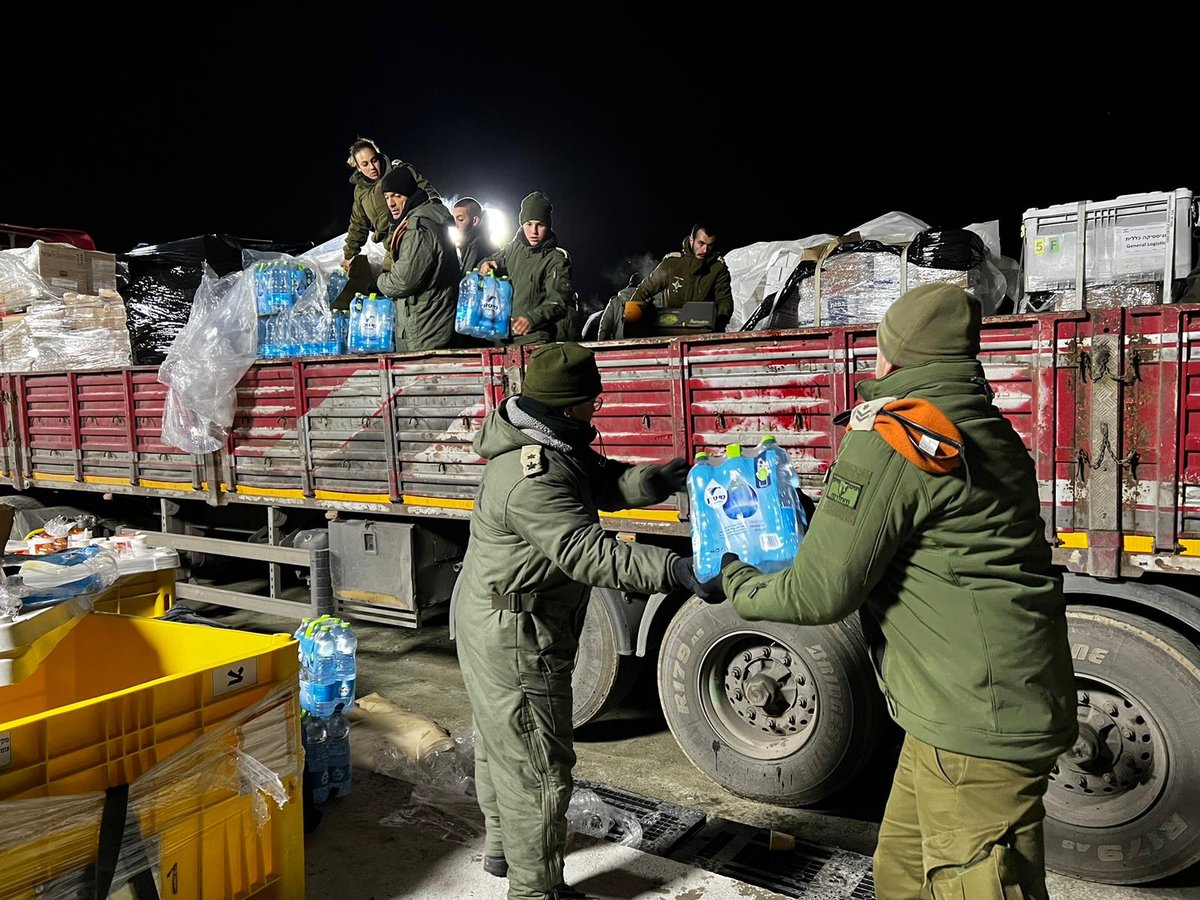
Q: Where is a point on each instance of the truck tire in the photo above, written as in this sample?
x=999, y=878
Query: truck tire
x=603, y=677
x=783, y=714
x=1123, y=806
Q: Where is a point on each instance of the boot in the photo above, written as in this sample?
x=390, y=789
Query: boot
x=496, y=865
x=566, y=892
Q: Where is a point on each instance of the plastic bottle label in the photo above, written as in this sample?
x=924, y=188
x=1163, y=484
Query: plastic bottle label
x=715, y=495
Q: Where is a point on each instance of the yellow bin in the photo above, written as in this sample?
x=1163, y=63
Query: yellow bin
x=118, y=695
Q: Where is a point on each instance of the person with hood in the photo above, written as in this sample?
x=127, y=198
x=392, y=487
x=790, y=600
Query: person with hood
x=535, y=551
x=694, y=275
x=423, y=278
x=540, y=272
x=476, y=245
x=930, y=528
x=368, y=211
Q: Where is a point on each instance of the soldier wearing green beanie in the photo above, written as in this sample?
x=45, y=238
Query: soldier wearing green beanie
x=930, y=527
x=540, y=271
x=536, y=550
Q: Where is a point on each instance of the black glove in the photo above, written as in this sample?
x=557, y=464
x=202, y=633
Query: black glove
x=709, y=591
x=671, y=477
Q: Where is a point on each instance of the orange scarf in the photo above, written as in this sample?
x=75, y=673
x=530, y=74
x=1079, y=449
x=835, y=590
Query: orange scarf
x=915, y=428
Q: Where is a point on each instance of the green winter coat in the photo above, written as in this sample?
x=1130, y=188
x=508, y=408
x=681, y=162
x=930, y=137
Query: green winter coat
x=681, y=278
x=423, y=280
x=542, y=290
x=369, y=212
x=538, y=530
x=962, y=603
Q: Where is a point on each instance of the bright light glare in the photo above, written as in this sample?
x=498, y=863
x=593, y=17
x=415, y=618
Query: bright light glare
x=500, y=228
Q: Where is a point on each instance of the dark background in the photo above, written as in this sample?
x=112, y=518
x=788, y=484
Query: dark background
x=166, y=122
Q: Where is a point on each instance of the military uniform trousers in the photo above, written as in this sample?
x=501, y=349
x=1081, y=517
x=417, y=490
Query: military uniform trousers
x=517, y=667
x=962, y=828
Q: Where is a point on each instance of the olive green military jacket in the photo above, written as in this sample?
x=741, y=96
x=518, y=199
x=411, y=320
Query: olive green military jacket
x=541, y=281
x=961, y=600
x=423, y=279
x=681, y=278
x=369, y=212
x=536, y=528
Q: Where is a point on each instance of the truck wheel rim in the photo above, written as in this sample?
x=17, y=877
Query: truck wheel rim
x=1118, y=767
x=758, y=695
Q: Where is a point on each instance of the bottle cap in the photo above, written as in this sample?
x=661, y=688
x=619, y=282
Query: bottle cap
x=733, y=451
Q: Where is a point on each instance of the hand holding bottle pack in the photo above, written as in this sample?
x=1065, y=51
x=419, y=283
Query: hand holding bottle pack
x=484, y=306
x=745, y=505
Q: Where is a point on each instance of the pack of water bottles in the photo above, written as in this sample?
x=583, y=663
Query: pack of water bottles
x=327, y=754
x=280, y=283
x=328, y=665
x=328, y=670
x=484, y=306
x=372, y=324
x=748, y=505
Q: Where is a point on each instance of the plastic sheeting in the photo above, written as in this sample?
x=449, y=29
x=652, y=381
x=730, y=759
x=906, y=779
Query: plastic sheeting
x=50, y=844
x=759, y=270
x=57, y=329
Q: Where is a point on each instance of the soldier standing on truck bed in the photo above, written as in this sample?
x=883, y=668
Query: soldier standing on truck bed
x=536, y=549
x=540, y=271
x=423, y=279
x=930, y=523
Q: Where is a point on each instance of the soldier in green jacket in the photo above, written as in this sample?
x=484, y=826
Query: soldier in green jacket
x=540, y=272
x=695, y=274
x=930, y=522
x=536, y=549
x=423, y=278
x=368, y=212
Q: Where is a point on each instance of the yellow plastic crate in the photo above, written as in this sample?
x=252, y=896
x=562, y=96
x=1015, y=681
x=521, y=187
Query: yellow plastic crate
x=148, y=594
x=119, y=694
x=201, y=835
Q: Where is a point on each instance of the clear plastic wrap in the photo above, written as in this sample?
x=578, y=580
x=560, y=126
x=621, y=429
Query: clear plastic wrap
x=589, y=814
x=78, y=572
x=46, y=328
x=206, y=361
x=859, y=280
x=891, y=228
x=443, y=796
x=48, y=846
x=758, y=270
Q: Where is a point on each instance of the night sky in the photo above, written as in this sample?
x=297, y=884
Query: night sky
x=769, y=127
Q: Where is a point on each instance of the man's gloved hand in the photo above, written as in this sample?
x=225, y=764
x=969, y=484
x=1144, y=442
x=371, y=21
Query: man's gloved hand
x=671, y=477
x=708, y=591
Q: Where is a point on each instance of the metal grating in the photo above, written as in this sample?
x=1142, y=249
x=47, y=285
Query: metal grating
x=811, y=871
x=663, y=824
x=741, y=852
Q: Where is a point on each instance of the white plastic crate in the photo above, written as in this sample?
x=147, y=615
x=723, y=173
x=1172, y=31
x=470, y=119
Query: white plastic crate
x=1126, y=240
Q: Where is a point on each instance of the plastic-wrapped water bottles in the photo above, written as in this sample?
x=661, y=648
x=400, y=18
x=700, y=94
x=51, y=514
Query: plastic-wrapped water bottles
x=338, y=756
x=495, y=307
x=337, y=283
x=748, y=506
x=466, y=315
x=372, y=323
x=316, y=755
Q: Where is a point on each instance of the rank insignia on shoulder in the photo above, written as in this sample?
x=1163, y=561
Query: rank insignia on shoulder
x=533, y=460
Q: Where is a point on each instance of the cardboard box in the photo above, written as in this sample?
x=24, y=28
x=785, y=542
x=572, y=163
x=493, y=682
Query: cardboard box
x=72, y=269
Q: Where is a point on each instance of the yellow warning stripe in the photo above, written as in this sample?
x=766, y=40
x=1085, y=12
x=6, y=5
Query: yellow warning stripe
x=167, y=485
x=442, y=502
x=1134, y=543
x=352, y=498
x=51, y=476
x=654, y=515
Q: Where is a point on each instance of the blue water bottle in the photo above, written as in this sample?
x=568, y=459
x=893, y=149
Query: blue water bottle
x=708, y=542
x=340, y=769
x=345, y=663
x=262, y=289
x=504, y=291
x=741, y=521
x=467, y=311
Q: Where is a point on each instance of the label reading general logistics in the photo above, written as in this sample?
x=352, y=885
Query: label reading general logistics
x=1149, y=240
x=235, y=676
x=5, y=749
